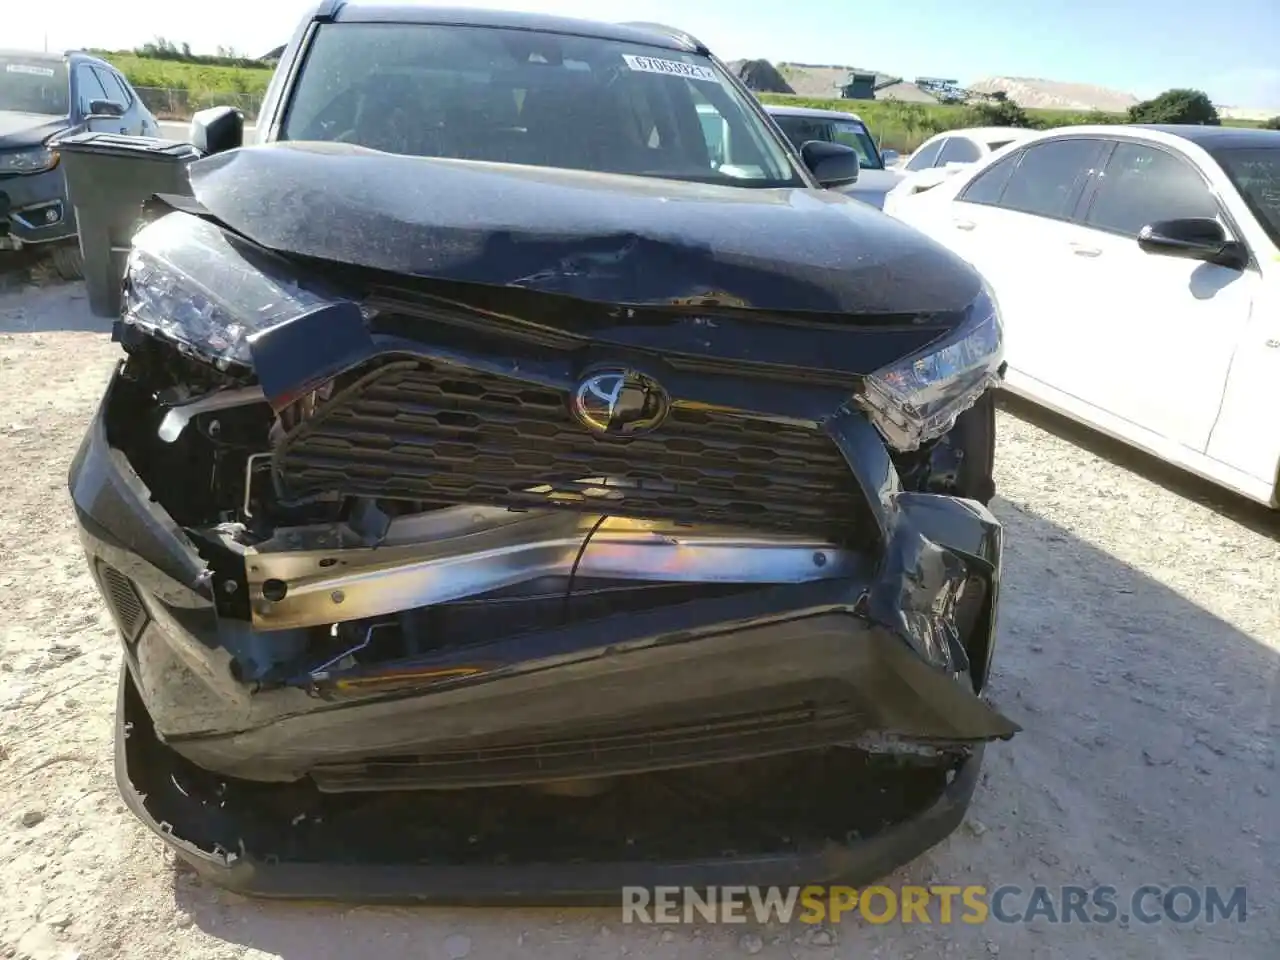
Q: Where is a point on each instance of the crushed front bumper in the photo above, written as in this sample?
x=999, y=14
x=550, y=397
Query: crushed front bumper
x=211, y=837
x=885, y=658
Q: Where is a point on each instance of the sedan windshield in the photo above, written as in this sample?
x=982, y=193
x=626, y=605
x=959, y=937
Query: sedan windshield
x=1255, y=171
x=34, y=86
x=517, y=96
x=851, y=133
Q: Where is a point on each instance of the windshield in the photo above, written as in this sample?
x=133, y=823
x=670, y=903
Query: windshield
x=851, y=133
x=34, y=86
x=517, y=96
x=1255, y=171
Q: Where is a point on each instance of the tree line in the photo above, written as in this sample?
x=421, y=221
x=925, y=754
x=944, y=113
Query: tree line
x=1180, y=105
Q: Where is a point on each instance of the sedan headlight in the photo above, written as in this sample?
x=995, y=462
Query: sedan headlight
x=918, y=398
x=189, y=282
x=34, y=160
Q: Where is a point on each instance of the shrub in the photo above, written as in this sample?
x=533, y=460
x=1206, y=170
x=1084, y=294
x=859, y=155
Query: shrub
x=997, y=113
x=1176, y=106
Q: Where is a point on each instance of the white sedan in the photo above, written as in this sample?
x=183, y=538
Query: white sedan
x=944, y=155
x=1138, y=274
x=962, y=146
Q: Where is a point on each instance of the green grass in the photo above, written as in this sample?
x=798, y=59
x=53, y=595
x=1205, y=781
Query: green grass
x=173, y=89
x=904, y=126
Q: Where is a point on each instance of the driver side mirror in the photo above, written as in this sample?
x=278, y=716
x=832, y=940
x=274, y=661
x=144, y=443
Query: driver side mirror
x=109, y=109
x=1193, y=238
x=832, y=164
x=216, y=130
x=890, y=157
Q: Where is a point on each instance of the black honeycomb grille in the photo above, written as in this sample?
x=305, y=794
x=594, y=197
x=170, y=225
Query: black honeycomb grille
x=123, y=601
x=446, y=435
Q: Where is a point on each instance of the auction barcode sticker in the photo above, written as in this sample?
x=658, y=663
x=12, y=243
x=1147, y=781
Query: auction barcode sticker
x=672, y=68
x=31, y=71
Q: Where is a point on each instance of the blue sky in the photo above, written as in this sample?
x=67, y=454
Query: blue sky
x=1230, y=50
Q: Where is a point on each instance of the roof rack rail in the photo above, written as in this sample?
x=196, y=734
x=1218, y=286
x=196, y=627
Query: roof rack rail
x=674, y=33
x=327, y=10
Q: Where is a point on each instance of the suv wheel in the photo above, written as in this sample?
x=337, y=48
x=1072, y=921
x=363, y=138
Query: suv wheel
x=67, y=261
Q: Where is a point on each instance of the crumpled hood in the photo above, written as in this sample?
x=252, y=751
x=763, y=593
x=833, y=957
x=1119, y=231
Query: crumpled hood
x=19, y=130
x=598, y=237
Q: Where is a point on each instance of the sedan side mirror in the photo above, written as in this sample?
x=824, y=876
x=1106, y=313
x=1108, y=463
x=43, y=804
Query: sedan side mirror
x=1193, y=238
x=216, y=130
x=890, y=157
x=832, y=164
x=105, y=108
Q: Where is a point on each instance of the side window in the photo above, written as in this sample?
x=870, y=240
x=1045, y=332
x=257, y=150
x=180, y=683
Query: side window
x=959, y=150
x=116, y=90
x=1050, y=177
x=1142, y=184
x=88, y=88
x=988, y=186
x=925, y=156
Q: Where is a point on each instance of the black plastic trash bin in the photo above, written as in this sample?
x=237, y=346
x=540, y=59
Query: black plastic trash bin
x=109, y=178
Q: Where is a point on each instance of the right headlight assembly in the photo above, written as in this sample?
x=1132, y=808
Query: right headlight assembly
x=917, y=399
x=190, y=283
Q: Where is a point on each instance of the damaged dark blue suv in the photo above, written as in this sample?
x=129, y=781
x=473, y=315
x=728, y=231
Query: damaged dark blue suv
x=507, y=492
x=43, y=97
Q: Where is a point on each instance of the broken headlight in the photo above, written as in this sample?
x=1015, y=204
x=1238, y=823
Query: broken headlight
x=917, y=399
x=205, y=291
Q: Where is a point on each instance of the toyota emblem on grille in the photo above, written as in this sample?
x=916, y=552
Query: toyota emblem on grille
x=620, y=403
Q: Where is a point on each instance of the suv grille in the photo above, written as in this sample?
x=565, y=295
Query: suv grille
x=441, y=435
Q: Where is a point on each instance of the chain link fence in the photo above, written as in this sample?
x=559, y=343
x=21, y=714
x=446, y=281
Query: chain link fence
x=179, y=104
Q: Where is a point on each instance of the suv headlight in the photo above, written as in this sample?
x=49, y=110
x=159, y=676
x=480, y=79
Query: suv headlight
x=190, y=283
x=33, y=160
x=918, y=398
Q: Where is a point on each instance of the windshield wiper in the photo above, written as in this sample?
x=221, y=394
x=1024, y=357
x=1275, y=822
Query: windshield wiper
x=722, y=181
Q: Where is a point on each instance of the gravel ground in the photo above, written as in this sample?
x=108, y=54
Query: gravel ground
x=1140, y=633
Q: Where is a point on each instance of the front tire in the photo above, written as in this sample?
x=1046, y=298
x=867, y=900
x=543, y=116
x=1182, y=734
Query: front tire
x=67, y=260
